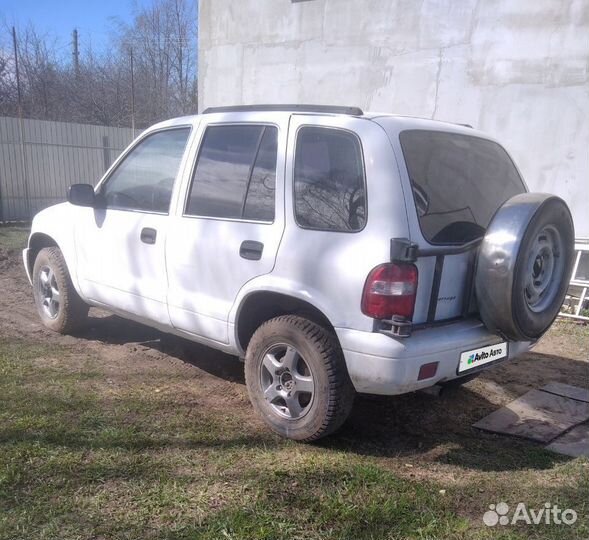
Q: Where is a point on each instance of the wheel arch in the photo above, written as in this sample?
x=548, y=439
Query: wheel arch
x=40, y=240
x=37, y=242
x=258, y=307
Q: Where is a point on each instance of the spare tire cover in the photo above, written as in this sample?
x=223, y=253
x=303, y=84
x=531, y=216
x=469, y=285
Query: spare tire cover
x=524, y=265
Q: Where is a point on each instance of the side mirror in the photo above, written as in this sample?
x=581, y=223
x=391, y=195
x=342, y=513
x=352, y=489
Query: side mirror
x=81, y=195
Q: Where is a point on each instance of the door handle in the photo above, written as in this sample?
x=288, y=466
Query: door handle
x=148, y=235
x=251, y=250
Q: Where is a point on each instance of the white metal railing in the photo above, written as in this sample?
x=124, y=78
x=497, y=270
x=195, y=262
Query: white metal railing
x=578, y=292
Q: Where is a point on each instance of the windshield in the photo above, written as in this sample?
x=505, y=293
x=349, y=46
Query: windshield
x=458, y=182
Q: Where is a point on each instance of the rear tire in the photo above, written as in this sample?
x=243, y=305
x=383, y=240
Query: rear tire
x=297, y=379
x=60, y=307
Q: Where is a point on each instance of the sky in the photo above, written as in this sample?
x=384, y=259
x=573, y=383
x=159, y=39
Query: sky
x=58, y=18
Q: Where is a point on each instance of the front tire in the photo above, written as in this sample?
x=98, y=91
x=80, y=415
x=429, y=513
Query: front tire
x=59, y=306
x=297, y=378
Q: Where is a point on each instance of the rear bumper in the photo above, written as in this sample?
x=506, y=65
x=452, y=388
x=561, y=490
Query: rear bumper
x=379, y=364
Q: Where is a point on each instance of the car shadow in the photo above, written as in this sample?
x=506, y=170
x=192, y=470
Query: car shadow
x=437, y=429
x=115, y=330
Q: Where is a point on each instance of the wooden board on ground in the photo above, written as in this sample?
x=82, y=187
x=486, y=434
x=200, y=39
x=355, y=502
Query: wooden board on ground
x=566, y=390
x=574, y=443
x=537, y=415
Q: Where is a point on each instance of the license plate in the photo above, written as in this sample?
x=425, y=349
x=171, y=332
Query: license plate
x=480, y=357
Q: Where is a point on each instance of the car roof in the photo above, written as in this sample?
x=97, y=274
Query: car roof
x=273, y=111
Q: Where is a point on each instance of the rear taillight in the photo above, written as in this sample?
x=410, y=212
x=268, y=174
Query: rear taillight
x=390, y=290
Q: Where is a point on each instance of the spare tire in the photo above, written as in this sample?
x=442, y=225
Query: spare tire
x=524, y=265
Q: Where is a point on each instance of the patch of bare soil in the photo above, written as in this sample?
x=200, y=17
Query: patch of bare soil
x=8, y=260
x=125, y=350
x=434, y=429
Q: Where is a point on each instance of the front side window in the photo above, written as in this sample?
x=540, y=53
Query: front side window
x=458, y=183
x=329, y=184
x=145, y=178
x=235, y=174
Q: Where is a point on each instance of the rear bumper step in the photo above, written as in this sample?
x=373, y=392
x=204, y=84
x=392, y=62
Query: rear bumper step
x=380, y=364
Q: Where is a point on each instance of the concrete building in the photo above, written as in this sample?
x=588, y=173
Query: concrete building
x=517, y=69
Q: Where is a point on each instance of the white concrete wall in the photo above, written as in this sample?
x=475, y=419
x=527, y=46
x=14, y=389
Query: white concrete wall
x=517, y=69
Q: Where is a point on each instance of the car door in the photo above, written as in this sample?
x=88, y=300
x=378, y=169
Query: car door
x=121, y=244
x=229, y=223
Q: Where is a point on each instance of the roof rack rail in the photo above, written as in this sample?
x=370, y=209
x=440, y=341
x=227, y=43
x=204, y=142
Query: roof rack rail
x=332, y=109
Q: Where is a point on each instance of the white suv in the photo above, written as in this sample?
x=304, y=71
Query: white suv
x=336, y=251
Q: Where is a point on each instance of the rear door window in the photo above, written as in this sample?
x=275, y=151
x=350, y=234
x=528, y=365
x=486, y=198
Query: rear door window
x=235, y=174
x=458, y=183
x=259, y=201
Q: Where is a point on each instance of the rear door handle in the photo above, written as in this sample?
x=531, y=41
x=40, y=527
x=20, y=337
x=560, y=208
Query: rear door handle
x=251, y=250
x=148, y=235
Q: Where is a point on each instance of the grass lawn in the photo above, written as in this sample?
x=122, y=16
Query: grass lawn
x=82, y=457
x=13, y=237
x=97, y=449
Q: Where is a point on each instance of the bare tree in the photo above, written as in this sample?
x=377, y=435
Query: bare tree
x=163, y=40
x=8, y=97
x=161, y=36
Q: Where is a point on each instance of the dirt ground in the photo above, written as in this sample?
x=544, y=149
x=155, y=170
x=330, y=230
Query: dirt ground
x=416, y=436
x=562, y=355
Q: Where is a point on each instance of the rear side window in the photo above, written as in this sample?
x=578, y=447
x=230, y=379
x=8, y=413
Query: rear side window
x=329, y=184
x=458, y=183
x=235, y=174
x=145, y=178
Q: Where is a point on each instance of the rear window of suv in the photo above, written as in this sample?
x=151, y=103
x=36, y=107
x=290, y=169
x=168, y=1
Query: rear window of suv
x=458, y=183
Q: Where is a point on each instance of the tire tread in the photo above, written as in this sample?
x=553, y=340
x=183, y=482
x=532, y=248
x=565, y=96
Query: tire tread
x=73, y=310
x=341, y=390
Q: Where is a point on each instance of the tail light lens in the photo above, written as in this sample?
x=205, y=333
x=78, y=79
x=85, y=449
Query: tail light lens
x=390, y=290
